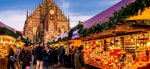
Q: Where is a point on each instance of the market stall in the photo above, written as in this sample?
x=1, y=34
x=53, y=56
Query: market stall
x=123, y=47
x=75, y=39
x=6, y=41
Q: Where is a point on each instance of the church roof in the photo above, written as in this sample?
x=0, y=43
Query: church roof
x=3, y=25
x=104, y=16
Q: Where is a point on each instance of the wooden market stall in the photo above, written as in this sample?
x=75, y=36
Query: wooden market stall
x=127, y=44
x=76, y=42
x=6, y=41
x=112, y=47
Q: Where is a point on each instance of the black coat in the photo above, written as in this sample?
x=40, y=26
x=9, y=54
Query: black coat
x=39, y=53
x=25, y=57
x=46, y=54
x=55, y=56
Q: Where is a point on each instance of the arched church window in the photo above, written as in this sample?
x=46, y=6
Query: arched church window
x=51, y=26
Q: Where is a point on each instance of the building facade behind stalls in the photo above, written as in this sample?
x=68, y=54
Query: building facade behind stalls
x=46, y=22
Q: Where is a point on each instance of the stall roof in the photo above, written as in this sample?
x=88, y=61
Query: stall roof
x=3, y=25
x=56, y=39
x=64, y=35
x=75, y=34
x=103, y=16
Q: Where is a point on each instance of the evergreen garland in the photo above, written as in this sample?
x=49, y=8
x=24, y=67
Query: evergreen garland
x=5, y=31
x=118, y=17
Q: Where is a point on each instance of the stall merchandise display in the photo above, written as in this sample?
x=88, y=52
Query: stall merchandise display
x=6, y=41
x=127, y=51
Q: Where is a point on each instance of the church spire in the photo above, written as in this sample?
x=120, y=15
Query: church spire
x=27, y=14
x=68, y=22
x=68, y=18
x=31, y=12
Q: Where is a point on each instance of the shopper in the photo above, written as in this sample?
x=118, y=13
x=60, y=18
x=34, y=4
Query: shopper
x=55, y=57
x=17, y=56
x=51, y=55
x=46, y=53
x=68, y=56
x=25, y=57
x=39, y=56
x=61, y=55
x=33, y=54
x=11, y=58
x=73, y=51
x=78, y=58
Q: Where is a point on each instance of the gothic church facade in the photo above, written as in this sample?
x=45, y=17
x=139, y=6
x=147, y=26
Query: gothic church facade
x=46, y=22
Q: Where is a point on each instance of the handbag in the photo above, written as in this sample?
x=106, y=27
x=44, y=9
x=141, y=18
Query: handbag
x=12, y=58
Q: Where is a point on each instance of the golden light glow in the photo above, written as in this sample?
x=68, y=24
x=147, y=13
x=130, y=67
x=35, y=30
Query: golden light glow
x=148, y=44
x=6, y=41
x=145, y=15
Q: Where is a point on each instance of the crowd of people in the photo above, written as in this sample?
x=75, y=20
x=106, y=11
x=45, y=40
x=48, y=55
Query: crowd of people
x=43, y=55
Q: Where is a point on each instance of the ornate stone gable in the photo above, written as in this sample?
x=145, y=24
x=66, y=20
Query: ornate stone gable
x=46, y=22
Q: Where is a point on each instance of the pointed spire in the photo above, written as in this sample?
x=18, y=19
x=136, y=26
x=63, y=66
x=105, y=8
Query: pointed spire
x=34, y=9
x=79, y=22
x=62, y=12
x=68, y=18
x=31, y=12
x=27, y=14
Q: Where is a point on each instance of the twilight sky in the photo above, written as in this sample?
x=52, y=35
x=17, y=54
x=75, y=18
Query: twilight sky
x=13, y=12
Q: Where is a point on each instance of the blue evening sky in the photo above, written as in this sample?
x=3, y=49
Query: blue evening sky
x=13, y=12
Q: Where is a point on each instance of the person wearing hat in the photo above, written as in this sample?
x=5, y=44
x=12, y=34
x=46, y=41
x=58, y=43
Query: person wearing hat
x=25, y=57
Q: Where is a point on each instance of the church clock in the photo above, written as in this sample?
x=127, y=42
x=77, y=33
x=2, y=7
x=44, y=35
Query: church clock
x=51, y=11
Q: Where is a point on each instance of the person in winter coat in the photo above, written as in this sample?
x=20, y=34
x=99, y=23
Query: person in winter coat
x=78, y=59
x=46, y=53
x=51, y=55
x=25, y=57
x=17, y=56
x=10, y=55
x=55, y=57
x=61, y=55
x=39, y=56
